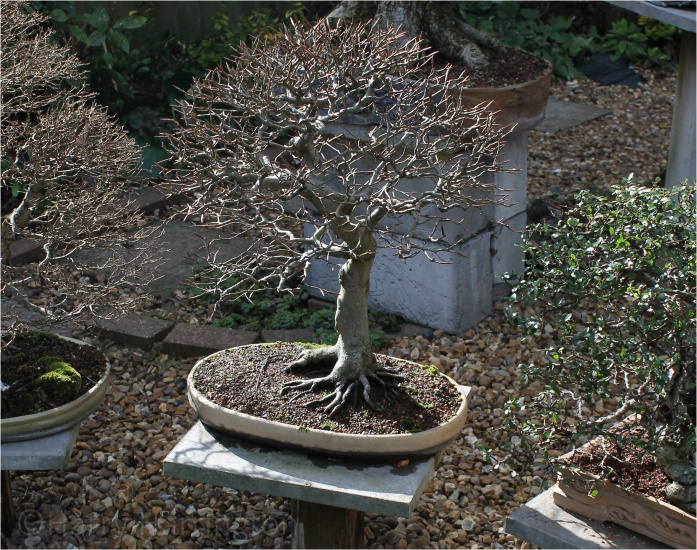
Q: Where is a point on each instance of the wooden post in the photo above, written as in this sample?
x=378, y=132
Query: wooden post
x=8, y=511
x=322, y=526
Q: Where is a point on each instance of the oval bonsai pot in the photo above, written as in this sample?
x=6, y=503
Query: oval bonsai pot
x=64, y=417
x=312, y=440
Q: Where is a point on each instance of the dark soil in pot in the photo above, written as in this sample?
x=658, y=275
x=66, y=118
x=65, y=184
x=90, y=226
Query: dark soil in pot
x=628, y=466
x=507, y=68
x=22, y=366
x=249, y=380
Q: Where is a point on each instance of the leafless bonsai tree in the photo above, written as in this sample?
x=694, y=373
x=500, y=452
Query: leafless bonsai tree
x=268, y=147
x=65, y=165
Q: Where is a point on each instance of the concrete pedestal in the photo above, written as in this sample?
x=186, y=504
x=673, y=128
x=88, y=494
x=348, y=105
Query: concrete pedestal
x=458, y=293
x=340, y=489
x=544, y=524
x=44, y=453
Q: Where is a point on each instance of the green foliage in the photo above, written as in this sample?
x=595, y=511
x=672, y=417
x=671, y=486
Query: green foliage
x=555, y=40
x=615, y=284
x=526, y=28
x=625, y=39
x=103, y=42
x=61, y=379
x=268, y=310
x=264, y=24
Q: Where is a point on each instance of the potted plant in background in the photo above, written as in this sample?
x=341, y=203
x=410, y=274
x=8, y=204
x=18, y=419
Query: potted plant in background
x=66, y=170
x=614, y=278
x=258, y=153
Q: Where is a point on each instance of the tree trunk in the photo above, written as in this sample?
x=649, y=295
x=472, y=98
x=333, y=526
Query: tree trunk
x=355, y=356
x=435, y=22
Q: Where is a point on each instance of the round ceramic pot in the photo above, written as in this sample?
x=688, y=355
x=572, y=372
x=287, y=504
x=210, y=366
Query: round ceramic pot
x=521, y=106
x=33, y=426
x=374, y=447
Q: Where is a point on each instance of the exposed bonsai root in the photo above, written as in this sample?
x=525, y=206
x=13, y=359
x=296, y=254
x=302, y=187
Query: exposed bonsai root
x=314, y=356
x=344, y=385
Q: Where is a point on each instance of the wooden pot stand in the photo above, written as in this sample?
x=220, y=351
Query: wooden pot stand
x=601, y=500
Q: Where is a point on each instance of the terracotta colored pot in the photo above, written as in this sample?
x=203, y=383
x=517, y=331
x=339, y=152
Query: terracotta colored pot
x=378, y=447
x=602, y=500
x=520, y=105
x=33, y=426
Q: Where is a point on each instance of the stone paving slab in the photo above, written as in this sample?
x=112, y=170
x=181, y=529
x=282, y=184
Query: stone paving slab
x=544, y=524
x=561, y=115
x=44, y=453
x=288, y=335
x=133, y=330
x=210, y=457
x=197, y=341
x=26, y=251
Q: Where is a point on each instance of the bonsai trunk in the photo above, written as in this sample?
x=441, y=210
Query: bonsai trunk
x=354, y=354
x=354, y=365
x=436, y=23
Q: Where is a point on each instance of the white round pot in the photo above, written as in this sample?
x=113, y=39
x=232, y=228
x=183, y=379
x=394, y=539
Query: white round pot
x=377, y=447
x=33, y=426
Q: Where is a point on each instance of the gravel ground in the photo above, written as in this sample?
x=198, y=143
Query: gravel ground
x=113, y=494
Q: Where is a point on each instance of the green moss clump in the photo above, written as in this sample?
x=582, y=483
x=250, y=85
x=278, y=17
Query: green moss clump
x=431, y=369
x=61, y=379
x=311, y=345
x=48, y=360
x=18, y=358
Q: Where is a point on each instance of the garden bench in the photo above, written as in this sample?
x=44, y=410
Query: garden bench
x=681, y=153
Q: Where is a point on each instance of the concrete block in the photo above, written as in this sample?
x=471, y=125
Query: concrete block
x=289, y=335
x=512, y=184
x=206, y=456
x=506, y=254
x=197, y=341
x=44, y=453
x=451, y=296
x=26, y=251
x=138, y=331
x=546, y=525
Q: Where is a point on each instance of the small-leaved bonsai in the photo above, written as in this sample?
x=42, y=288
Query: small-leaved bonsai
x=614, y=280
x=267, y=148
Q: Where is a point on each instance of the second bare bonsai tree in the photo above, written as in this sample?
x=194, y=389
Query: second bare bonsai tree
x=268, y=146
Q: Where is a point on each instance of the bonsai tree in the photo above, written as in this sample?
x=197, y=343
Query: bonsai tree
x=65, y=170
x=266, y=148
x=435, y=23
x=614, y=279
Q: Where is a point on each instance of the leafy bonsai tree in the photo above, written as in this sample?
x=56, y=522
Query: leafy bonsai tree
x=615, y=279
x=66, y=168
x=268, y=147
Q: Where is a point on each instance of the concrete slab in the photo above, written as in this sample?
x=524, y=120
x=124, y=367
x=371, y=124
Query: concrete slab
x=197, y=341
x=566, y=114
x=45, y=453
x=26, y=251
x=133, y=330
x=209, y=457
x=544, y=524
